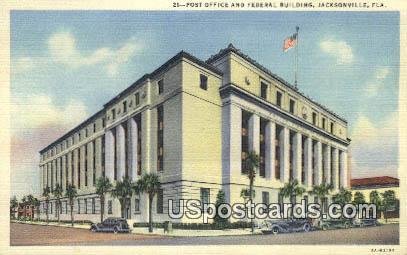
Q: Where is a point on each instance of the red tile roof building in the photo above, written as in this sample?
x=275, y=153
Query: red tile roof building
x=375, y=182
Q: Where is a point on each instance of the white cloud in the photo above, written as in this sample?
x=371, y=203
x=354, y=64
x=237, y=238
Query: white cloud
x=63, y=49
x=377, y=82
x=374, y=146
x=39, y=111
x=22, y=65
x=340, y=50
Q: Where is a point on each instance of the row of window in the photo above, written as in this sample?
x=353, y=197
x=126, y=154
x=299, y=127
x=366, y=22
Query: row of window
x=262, y=153
x=292, y=105
x=114, y=112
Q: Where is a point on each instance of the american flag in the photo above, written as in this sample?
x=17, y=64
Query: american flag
x=290, y=42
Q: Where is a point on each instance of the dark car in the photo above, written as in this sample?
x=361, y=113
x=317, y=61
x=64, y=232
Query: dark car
x=364, y=222
x=285, y=226
x=114, y=225
x=335, y=223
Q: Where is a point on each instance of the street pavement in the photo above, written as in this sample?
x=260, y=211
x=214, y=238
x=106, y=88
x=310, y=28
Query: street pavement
x=24, y=234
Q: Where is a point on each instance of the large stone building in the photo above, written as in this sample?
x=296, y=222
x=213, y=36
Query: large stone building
x=193, y=122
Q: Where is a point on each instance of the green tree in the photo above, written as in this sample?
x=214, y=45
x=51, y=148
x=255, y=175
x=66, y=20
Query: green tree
x=149, y=183
x=220, y=199
x=123, y=191
x=374, y=198
x=251, y=164
x=46, y=193
x=343, y=197
x=36, y=204
x=389, y=202
x=291, y=190
x=57, y=192
x=245, y=194
x=30, y=202
x=71, y=193
x=358, y=198
x=321, y=192
x=103, y=185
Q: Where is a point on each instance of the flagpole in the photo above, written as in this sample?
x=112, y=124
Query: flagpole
x=296, y=59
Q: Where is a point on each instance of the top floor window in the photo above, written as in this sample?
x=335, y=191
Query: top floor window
x=137, y=98
x=263, y=90
x=203, y=82
x=314, y=118
x=292, y=106
x=124, y=106
x=279, y=97
x=332, y=127
x=323, y=123
x=103, y=122
x=160, y=86
x=113, y=113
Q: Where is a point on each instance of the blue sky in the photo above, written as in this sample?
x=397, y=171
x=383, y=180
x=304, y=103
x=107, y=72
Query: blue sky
x=66, y=65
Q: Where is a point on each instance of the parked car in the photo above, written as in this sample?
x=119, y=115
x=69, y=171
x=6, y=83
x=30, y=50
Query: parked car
x=111, y=224
x=335, y=223
x=364, y=222
x=285, y=226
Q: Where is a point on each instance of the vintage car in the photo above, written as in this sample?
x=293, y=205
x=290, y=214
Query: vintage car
x=284, y=226
x=364, y=222
x=111, y=224
x=335, y=223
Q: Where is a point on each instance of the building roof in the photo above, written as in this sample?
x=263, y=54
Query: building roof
x=232, y=48
x=374, y=181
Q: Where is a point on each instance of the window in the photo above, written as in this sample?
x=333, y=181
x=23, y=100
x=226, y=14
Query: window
x=102, y=161
x=94, y=127
x=323, y=123
x=86, y=165
x=279, y=97
x=332, y=127
x=79, y=135
x=126, y=151
x=86, y=132
x=245, y=140
x=265, y=197
x=160, y=86
x=160, y=138
x=115, y=150
x=160, y=201
x=263, y=90
x=138, y=121
x=205, y=196
x=113, y=113
x=292, y=106
x=93, y=206
x=93, y=163
x=137, y=204
x=103, y=122
x=314, y=118
x=262, y=165
x=124, y=106
x=109, y=207
x=79, y=167
x=86, y=205
x=66, y=170
x=137, y=98
x=204, y=82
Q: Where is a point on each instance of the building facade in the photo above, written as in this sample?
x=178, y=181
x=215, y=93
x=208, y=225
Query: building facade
x=193, y=122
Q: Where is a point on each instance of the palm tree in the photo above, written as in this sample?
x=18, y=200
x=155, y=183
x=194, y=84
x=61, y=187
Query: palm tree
x=149, y=183
x=46, y=193
x=103, y=185
x=251, y=163
x=343, y=197
x=57, y=192
x=389, y=202
x=321, y=191
x=245, y=194
x=71, y=193
x=291, y=190
x=358, y=198
x=123, y=191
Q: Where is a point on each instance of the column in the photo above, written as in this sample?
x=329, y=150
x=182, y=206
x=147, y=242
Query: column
x=335, y=157
x=254, y=133
x=297, y=159
x=308, y=161
x=344, y=169
x=41, y=178
x=49, y=175
x=231, y=145
x=121, y=152
x=64, y=158
x=109, y=155
x=327, y=161
x=146, y=152
x=318, y=163
x=133, y=148
x=270, y=149
x=285, y=154
x=91, y=165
